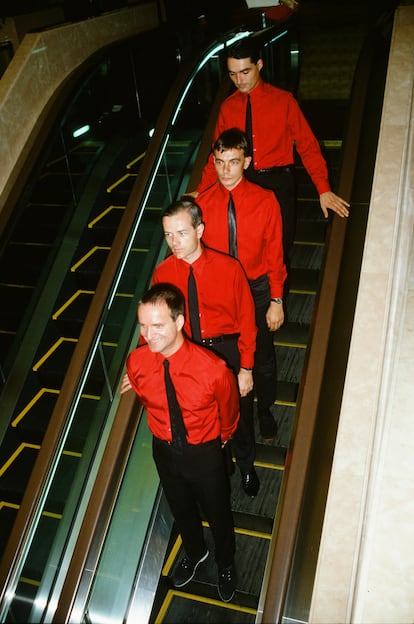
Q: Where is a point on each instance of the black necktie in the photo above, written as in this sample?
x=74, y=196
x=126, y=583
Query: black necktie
x=193, y=307
x=231, y=216
x=248, y=128
x=178, y=430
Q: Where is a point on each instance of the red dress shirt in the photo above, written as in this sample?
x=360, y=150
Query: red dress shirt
x=224, y=298
x=259, y=229
x=277, y=125
x=206, y=391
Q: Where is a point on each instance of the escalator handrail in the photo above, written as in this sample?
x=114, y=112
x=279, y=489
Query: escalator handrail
x=297, y=465
x=89, y=334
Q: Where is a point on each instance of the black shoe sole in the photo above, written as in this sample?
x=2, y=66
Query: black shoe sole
x=177, y=585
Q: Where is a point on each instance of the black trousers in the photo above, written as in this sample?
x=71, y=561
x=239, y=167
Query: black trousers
x=243, y=442
x=196, y=479
x=264, y=371
x=281, y=181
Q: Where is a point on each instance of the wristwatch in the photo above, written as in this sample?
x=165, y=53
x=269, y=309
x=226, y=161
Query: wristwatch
x=277, y=299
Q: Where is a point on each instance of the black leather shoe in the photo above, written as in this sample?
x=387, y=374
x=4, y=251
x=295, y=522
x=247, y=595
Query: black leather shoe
x=250, y=482
x=186, y=569
x=227, y=580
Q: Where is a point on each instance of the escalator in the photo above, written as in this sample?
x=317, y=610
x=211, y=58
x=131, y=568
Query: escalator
x=53, y=249
x=87, y=561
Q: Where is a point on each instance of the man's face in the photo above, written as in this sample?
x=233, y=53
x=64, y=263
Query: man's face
x=182, y=237
x=230, y=166
x=160, y=331
x=244, y=74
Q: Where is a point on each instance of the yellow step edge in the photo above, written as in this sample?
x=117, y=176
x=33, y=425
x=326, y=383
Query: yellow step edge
x=137, y=159
x=69, y=302
x=211, y=601
x=294, y=345
x=31, y=403
x=88, y=255
x=52, y=349
x=16, y=454
x=119, y=182
x=103, y=214
x=309, y=243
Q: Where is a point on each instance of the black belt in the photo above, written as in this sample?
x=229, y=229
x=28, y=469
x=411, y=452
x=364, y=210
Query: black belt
x=287, y=168
x=204, y=444
x=217, y=339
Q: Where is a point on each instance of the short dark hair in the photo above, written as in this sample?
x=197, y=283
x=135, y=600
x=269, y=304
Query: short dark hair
x=185, y=204
x=244, y=48
x=233, y=138
x=167, y=293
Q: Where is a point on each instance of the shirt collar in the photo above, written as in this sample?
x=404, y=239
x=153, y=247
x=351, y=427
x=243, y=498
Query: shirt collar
x=237, y=191
x=255, y=92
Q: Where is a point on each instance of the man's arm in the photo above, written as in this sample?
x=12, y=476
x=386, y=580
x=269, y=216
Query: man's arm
x=248, y=331
x=228, y=400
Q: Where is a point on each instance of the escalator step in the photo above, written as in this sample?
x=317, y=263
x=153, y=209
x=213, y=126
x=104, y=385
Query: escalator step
x=292, y=334
x=307, y=256
x=299, y=308
x=39, y=224
x=286, y=392
x=103, y=227
x=15, y=298
x=16, y=472
x=53, y=185
x=274, y=455
x=310, y=232
x=22, y=264
x=31, y=423
x=263, y=506
x=52, y=366
x=304, y=280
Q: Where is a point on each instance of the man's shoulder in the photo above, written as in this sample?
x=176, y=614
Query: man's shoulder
x=207, y=193
x=281, y=96
x=140, y=354
x=251, y=188
x=164, y=265
x=219, y=258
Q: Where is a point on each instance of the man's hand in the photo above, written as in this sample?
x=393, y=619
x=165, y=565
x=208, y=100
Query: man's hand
x=193, y=194
x=275, y=316
x=125, y=384
x=335, y=203
x=245, y=381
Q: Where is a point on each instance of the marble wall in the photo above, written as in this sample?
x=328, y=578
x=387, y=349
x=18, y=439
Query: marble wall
x=42, y=62
x=365, y=571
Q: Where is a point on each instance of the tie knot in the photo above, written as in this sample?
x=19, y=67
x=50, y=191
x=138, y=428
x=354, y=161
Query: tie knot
x=166, y=363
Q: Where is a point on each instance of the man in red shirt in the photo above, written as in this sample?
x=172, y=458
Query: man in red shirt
x=259, y=250
x=188, y=430
x=277, y=126
x=226, y=314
